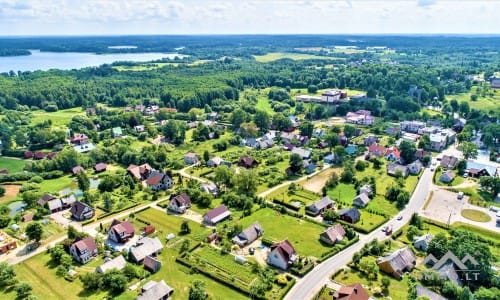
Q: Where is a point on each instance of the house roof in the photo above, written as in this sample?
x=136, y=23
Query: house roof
x=191, y=155
x=216, y=160
x=154, y=179
x=247, y=160
x=54, y=204
x=117, y=130
x=39, y=155
x=366, y=189
x=155, y=290
x=399, y=259
x=376, y=148
x=149, y=229
x=394, y=151
x=449, y=161
x=362, y=198
x=78, y=137
x=100, y=167
x=250, y=234
x=147, y=247
x=68, y=199
x=45, y=198
x=87, y=243
x=302, y=152
x=77, y=169
x=138, y=171
x=218, y=213
x=491, y=169
x=334, y=233
x=421, y=153
x=424, y=292
x=151, y=263
x=120, y=227
x=321, y=203
x=285, y=249
x=426, y=237
x=78, y=208
x=392, y=168
x=118, y=263
x=28, y=217
x=351, y=292
x=352, y=213
x=181, y=199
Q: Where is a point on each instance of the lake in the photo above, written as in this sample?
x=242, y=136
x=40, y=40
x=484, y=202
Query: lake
x=73, y=60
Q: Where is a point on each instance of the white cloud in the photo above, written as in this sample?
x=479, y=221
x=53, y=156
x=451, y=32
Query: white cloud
x=425, y=3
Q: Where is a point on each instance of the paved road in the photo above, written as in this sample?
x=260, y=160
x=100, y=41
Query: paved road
x=309, y=285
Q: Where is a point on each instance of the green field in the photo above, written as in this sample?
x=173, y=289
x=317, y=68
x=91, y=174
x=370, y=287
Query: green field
x=278, y=227
x=272, y=56
x=60, y=118
x=56, y=185
x=13, y=165
x=487, y=103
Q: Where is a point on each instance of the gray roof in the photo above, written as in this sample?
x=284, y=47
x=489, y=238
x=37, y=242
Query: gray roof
x=155, y=291
x=392, y=168
x=249, y=234
x=148, y=247
x=116, y=263
x=400, y=259
x=302, y=152
x=426, y=237
x=362, y=199
x=54, y=204
x=424, y=292
x=321, y=204
x=448, y=271
x=491, y=169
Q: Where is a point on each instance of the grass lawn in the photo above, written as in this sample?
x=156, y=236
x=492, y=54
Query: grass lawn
x=272, y=56
x=370, y=221
x=59, y=118
x=13, y=165
x=475, y=215
x=343, y=193
x=456, y=181
x=398, y=289
x=487, y=103
x=263, y=104
x=278, y=227
x=56, y=185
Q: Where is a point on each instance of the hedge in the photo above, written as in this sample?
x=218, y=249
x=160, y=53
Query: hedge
x=290, y=284
x=115, y=212
x=13, y=153
x=163, y=204
x=287, y=205
x=328, y=254
x=302, y=272
x=267, y=242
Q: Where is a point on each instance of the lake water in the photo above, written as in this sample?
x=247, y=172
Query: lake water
x=72, y=60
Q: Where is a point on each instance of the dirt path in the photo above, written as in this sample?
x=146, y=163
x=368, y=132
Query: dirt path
x=316, y=183
x=11, y=191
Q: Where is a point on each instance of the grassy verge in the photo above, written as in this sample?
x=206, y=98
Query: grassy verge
x=11, y=164
x=475, y=215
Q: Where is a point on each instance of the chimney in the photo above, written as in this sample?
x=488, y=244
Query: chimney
x=355, y=290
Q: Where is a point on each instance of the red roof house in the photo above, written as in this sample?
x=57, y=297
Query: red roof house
x=282, y=255
x=100, y=167
x=120, y=232
x=376, y=150
x=392, y=154
x=77, y=169
x=351, y=292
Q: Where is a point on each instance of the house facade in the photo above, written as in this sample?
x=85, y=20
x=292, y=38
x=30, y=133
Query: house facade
x=158, y=181
x=81, y=211
x=121, y=232
x=398, y=262
x=332, y=234
x=282, y=255
x=320, y=206
x=179, y=203
x=83, y=250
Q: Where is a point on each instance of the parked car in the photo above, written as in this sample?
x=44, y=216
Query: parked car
x=400, y=218
x=494, y=208
x=460, y=195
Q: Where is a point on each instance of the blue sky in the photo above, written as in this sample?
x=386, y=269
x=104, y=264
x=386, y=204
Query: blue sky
x=105, y=17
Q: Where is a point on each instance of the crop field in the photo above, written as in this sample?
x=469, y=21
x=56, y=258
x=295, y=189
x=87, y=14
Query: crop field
x=486, y=103
x=280, y=55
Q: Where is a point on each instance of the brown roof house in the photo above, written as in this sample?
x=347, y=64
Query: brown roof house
x=398, y=262
x=100, y=167
x=140, y=172
x=120, y=232
x=45, y=198
x=152, y=264
x=179, y=203
x=153, y=290
x=6, y=243
x=449, y=162
x=282, y=255
x=216, y=215
x=158, y=181
x=145, y=247
x=83, y=250
x=351, y=292
x=249, y=235
x=332, y=234
x=320, y=206
x=248, y=162
x=81, y=211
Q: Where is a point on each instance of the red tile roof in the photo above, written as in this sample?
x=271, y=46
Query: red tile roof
x=87, y=243
x=351, y=292
x=100, y=167
x=393, y=150
x=376, y=148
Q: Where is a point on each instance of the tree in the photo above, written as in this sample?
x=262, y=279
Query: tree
x=23, y=289
x=402, y=199
x=491, y=184
x=412, y=232
x=469, y=150
x=296, y=163
x=238, y=117
x=281, y=122
x=438, y=246
x=184, y=246
x=246, y=181
x=34, y=231
x=223, y=175
x=249, y=129
x=464, y=108
x=4, y=221
x=175, y=131
x=347, y=176
x=306, y=129
x=340, y=153
x=330, y=215
x=386, y=282
x=91, y=281
x=2, y=191
x=486, y=294
x=368, y=266
x=185, y=227
x=407, y=150
x=130, y=272
x=424, y=142
x=466, y=294
x=454, y=104
x=262, y=120
x=116, y=282
x=197, y=291
x=7, y=274
x=56, y=253
x=461, y=166
x=349, y=130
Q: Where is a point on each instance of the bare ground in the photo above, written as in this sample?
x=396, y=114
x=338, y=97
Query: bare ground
x=316, y=183
x=11, y=191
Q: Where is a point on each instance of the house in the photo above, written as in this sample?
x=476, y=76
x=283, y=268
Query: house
x=288, y=137
x=360, y=117
x=179, y=203
x=6, y=243
x=140, y=172
x=329, y=159
x=495, y=83
x=398, y=262
x=117, y=263
x=153, y=290
x=410, y=137
x=39, y=155
x=209, y=187
x=139, y=128
x=159, y=181
x=309, y=167
x=421, y=153
x=366, y=189
x=422, y=242
x=28, y=218
x=415, y=167
x=28, y=155
x=370, y=140
x=361, y=200
x=376, y=150
x=318, y=133
x=120, y=232
x=44, y=199
x=448, y=272
x=81, y=211
x=322, y=145
x=216, y=215
x=393, y=170
x=447, y=176
x=320, y=206
x=392, y=130
x=247, y=162
x=392, y=154
x=330, y=96
x=438, y=142
x=282, y=255
x=249, y=235
x=68, y=201
x=351, y=215
x=55, y=205
x=79, y=139
x=77, y=169
x=191, y=158
x=476, y=169
x=117, y=132
x=214, y=162
x=83, y=250
x=411, y=126
x=351, y=292
x=145, y=247
x=100, y=167
x=449, y=162
x=288, y=146
x=351, y=149
x=295, y=121
x=263, y=144
x=152, y=264
x=303, y=153
x=332, y=234
x=423, y=292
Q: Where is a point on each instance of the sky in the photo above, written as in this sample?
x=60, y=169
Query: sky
x=131, y=17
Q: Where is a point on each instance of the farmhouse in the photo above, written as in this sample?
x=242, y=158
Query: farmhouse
x=81, y=211
x=282, y=255
x=83, y=250
x=179, y=203
x=216, y=215
x=398, y=262
x=395, y=169
x=247, y=162
x=140, y=172
x=145, y=247
x=159, y=181
x=118, y=263
x=351, y=292
x=153, y=290
x=320, y=206
x=333, y=234
x=249, y=235
x=422, y=242
x=120, y=232
x=351, y=215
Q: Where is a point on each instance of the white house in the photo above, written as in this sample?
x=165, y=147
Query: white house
x=282, y=255
x=83, y=250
